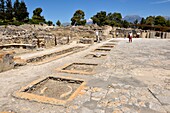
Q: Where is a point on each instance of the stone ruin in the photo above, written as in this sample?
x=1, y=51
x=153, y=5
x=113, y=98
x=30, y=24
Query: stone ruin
x=6, y=61
x=9, y=61
x=38, y=36
x=43, y=36
x=117, y=32
x=155, y=34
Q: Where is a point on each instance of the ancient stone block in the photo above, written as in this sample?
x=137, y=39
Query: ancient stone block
x=6, y=61
x=86, y=40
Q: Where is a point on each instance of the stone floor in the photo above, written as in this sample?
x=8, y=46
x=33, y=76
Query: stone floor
x=133, y=78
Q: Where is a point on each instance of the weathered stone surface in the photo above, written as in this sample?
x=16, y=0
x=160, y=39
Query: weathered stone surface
x=86, y=40
x=86, y=110
x=6, y=61
x=90, y=104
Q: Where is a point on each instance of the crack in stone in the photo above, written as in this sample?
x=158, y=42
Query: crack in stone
x=154, y=96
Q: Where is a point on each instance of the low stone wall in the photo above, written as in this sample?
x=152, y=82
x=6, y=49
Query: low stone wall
x=6, y=61
x=167, y=35
x=144, y=34
x=86, y=40
x=156, y=34
x=13, y=45
x=19, y=40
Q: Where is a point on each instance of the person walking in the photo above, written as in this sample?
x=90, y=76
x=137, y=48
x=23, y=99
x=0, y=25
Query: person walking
x=130, y=37
x=97, y=36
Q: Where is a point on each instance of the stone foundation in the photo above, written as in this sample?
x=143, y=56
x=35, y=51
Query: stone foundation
x=6, y=61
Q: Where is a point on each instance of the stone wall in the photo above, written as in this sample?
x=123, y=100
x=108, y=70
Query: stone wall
x=156, y=34
x=43, y=36
x=106, y=30
x=143, y=34
x=167, y=35
x=6, y=61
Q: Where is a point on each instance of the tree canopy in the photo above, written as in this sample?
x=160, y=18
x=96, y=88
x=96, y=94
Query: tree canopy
x=125, y=24
x=112, y=19
x=49, y=23
x=58, y=23
x=17, y=13
x=159, y=20
x=168, y=23
x=9, y=10
x=2, y=9
x=150, y=20
x=37, y=12
x=78, y=18
x=100, y=18
x=16, y=9
x=13, y=13
x=21, y=13
x=37, y=18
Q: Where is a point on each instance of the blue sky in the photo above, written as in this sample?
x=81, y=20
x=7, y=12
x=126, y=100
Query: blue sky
x=63, y=10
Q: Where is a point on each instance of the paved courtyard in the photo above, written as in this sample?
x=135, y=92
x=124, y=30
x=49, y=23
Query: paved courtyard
x=132, y=78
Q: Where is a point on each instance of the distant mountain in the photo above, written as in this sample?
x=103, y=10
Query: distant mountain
x=167, y=17
x=89, y=21
x=66, y=24
x=132, y=18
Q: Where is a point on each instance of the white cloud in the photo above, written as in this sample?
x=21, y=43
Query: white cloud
x=161, y=2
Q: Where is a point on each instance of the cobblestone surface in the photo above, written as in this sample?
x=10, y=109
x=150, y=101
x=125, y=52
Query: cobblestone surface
x=133, y=78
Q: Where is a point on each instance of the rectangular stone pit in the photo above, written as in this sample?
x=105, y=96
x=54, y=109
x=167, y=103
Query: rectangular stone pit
x=55, y=55
x=102, y=50
x=78, y=68
x=51, y=90
x=113, y=41
x=97, y=55
x=107, y=46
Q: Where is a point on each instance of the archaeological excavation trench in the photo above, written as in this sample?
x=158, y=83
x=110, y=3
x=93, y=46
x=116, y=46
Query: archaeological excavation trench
x=107, y=46
x=51, y=90
x=81, y=66
x=97, y=55
x=78, y=68
x=102, y=50
x=113, y=41
x=55, y=55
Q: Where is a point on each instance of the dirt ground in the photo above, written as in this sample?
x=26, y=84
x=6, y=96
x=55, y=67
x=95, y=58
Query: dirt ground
x=132, y=78
x=54, y=89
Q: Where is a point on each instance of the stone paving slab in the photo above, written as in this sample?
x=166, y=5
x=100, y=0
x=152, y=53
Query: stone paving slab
x=117, y=98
